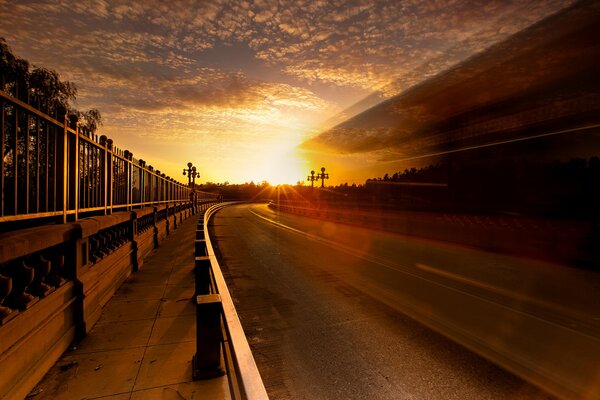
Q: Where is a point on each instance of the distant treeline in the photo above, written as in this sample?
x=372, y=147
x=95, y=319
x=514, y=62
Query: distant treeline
x=248, y=191
x=431, y=174
x=558, y=189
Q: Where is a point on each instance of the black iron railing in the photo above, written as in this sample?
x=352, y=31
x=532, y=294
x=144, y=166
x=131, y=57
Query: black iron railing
x=54, y=168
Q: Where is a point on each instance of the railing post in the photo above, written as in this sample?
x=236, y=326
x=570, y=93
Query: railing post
x=206, y=363
x=103, y=143
x=65, y=169
x=128, y=172
x=73, y=167
x=110, y=173
x=142, y=164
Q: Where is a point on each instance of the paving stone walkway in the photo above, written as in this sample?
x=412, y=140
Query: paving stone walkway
x=142, y=346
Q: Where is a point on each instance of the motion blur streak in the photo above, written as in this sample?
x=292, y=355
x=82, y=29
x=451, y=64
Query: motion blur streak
x=537, y=319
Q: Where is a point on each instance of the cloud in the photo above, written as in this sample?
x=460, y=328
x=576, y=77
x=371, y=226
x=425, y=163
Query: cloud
x=152, y=63
x=516, y=88
x=354, y=43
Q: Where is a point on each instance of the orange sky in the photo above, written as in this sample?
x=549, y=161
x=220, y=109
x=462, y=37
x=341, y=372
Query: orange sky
x=236, y=86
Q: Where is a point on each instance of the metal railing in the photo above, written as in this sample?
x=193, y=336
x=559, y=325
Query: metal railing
x=54, y=168
x=218, y=327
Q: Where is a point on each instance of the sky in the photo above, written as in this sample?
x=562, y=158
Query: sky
x=237, y=87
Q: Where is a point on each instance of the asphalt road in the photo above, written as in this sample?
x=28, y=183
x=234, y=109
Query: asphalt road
x=326, y=310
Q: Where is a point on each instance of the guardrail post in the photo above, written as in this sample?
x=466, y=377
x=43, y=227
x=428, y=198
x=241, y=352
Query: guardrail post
x=202, y=275
x=206, y=363
x=200, y=247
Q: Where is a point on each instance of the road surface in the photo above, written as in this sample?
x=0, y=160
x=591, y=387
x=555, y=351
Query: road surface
x=325, y=307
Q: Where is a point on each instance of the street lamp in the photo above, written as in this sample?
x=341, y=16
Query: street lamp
x=192, y=175
x=312, y=178
x=322, y=176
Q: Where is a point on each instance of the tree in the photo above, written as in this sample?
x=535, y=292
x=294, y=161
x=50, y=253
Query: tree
x=42, y=88
x=53, y=94
x=14, y=72
x=90, y=120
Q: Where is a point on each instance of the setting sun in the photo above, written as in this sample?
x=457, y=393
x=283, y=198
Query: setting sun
x=279, y=164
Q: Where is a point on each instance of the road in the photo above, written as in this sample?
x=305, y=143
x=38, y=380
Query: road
x=326, y=310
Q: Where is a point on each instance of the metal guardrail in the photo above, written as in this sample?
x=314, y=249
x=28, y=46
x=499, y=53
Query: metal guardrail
x=218, y=325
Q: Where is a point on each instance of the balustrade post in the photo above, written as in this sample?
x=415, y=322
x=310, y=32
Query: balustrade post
x=134, y=245
x=42, y=268
x=78, y=255
x=57, y=272
x=155, y=226
x=175, y=205
x=22, y=276
x=6, y=313
x=167, y=222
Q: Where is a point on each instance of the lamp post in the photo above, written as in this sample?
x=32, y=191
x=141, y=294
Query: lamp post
x=192, y=175
x=312, y=178
x=322, y=176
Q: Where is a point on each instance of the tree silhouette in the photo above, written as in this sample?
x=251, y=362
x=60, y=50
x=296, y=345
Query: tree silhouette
x=90, y=120
x=50, y=92
x=42, y=88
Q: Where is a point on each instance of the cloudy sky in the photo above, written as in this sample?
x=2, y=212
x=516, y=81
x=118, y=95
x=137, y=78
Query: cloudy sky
x=236, y=86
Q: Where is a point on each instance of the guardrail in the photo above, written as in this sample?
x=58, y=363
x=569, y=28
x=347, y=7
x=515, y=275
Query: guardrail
x=218, y=325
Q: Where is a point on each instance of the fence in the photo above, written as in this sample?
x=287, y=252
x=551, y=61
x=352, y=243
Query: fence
x=53, y=168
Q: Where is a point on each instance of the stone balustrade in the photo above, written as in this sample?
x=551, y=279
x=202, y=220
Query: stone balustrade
x=55, y=279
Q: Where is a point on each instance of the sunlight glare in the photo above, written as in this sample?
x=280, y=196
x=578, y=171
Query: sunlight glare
x=281, y=164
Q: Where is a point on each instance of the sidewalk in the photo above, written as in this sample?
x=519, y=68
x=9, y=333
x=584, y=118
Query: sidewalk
x=143, y=344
